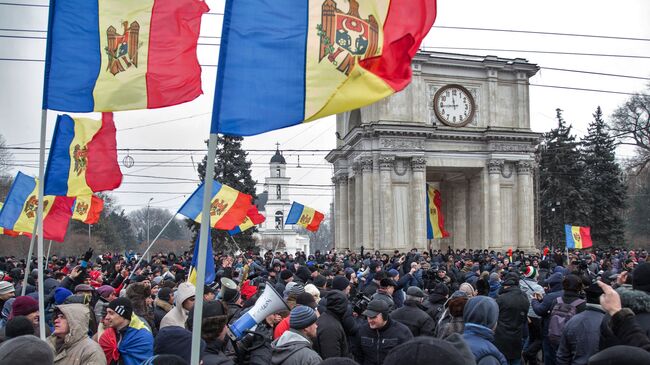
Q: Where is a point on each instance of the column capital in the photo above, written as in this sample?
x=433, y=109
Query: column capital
x=495, y=166
x=418, y=163
x=356, y=167
x=386, y=163
x=524, y=167
x=366, y=164
x=342, y=179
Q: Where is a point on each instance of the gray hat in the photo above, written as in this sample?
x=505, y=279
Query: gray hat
x=414, y=291
x=26, y=349
x=302, y=317
x=375, y=307
x=6, y=287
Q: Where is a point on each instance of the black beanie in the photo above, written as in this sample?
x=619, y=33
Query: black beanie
x=641, y=277
x=421, y=350
x=285, y=274
x=122, y=306
x=164, y=294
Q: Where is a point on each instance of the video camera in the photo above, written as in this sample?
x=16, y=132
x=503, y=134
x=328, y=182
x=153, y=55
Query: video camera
x=360, y=303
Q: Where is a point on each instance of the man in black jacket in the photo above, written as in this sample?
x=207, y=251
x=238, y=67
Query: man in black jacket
x=331, y=340
x=513, y=311
x=379, y=335
x=413, y=314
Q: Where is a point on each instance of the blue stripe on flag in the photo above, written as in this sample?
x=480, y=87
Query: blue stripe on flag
x=21, y=188
x=429, y=226
x=570, y=243
x=261, y=77
x=70, y=74
x=193, y=206
x=58, y=162
x=294, y=213
x=234, y=231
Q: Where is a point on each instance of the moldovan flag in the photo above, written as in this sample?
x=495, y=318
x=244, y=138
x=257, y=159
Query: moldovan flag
x=577, y=237
x=109, y=55
x=19, y=212
x=435, y=219
x=87, y=209
x=286, y=62
x=209, y=264
x=8, y=232
x=253, y=218
x=304, y=216
x=83, y=157
x=228, y=207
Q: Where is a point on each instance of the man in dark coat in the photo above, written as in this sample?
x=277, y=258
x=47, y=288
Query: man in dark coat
x=331, y=340
x=213, y=332
x=543, y=307
x=379, y=336
x=413, y=314
x=435, y=304
x=513, y=310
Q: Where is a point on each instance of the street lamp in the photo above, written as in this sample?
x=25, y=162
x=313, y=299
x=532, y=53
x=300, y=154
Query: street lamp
x=148, y=243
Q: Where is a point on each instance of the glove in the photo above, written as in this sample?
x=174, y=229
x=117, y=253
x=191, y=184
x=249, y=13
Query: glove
x=88, y=254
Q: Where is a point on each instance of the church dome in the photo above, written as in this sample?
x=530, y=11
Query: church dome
x=278, y=158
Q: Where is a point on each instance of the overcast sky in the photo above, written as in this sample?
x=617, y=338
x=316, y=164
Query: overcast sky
x=186, y=126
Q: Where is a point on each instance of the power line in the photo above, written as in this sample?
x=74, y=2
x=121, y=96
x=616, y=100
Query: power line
x=595, y=73
x=543, y=33
x=536, y=51
x=26, y=5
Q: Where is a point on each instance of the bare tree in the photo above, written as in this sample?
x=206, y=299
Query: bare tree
x=631, y=126
x=5, y=166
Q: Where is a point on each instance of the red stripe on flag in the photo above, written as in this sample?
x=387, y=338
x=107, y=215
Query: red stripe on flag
x=585, y=234
x=103, y=171
x=55, y=223
x=437, y=201
x=407, y=23
x=95, y=210
x=173, y=70
x=236, y=214
x=315, y=222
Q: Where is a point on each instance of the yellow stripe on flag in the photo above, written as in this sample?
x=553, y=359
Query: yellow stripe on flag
x=307, y=216
x=433, y=213
x=191, y=278
x=27, y=217
x=220, y=204
x=126, y=89
x=82, y=214
x=577, y=237
x=246, y=224
x=84, y=131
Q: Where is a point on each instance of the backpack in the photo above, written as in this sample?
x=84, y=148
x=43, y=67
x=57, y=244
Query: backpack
x=560, y=315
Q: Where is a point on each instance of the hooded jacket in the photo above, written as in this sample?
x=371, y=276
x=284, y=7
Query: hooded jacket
x=580, y=337
x=160, y=310
x=331, y=340
x=513, y=310
x=292, y=348
x=178, y=315
x=76, y=348
x=413, y=316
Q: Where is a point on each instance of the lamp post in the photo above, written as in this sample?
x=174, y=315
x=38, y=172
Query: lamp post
x=148, y=243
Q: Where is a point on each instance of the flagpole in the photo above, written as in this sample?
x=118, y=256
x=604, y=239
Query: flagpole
x=47, y=257
x=203, y=241
x=29, y=259
x=151, y=244
x=39, y=220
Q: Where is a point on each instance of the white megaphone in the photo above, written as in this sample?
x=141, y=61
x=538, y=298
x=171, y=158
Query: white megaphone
x=268, y=303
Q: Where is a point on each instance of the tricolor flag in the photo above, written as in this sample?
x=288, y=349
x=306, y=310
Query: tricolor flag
x=253, y=218
x=228, y=207
x=109, y=55
x=209, y=263
x=19, y=212
x=577, y=237
x=435, y=219
x=304, y=216
x=285, y=62
x=87, y=209
x=83, y=157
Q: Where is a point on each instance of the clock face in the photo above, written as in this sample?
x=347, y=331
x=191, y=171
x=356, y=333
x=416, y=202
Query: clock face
x=454, y=105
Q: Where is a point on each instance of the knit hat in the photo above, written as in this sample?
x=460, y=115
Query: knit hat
x=60, y=295
x=105, y=291
x=6, y=287
x=320, y=281
x=392, y=273
x=19, y=326
x=26, y=350
x=441, y=289
x=306, y=299
x=23, y=306
x=494, y=277
x=122, y=306
x=421, y=350
x=621, y=355
x=385, y=283
x=530, y=272
x=555, y=278
x=481, y=310
x=641, y=277
x=212, y=308
x=296, y=289
x=164, y=294
x=511, y=279
x=285, y=274
x=593, y=293
x=302, y=317
x=340, y=283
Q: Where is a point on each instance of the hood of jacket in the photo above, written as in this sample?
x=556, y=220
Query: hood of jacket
x=184, y=291
x=337, y=302
x=437, y=298
x=289, y=343
x=456, y=339
x=78, y=317
x=637, y=300
x=164, y=305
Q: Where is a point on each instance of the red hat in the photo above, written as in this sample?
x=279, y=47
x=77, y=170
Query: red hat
x=22, y=306
x=248, y=290
x=94, y=275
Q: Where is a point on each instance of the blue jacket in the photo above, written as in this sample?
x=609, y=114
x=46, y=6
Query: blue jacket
x=479, y=339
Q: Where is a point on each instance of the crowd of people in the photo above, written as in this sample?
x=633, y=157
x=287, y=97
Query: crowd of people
x=433, y=307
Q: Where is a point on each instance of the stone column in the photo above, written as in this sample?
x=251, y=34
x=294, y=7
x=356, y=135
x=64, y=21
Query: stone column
x=386, y=207
x=494, y=170
x=336, y=219
x=376, y=233
x=418, y=194
x=459, y=214
x=366, y=171
x=525, y=223
x=343, y=216
x=358, y=207
x=351, y=213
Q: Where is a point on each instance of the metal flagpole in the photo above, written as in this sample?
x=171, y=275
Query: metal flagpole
x=49, y=246
x=151, y=244
x=29, y=259
x=89, y=238
x=203, y=241
x=39, y=220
